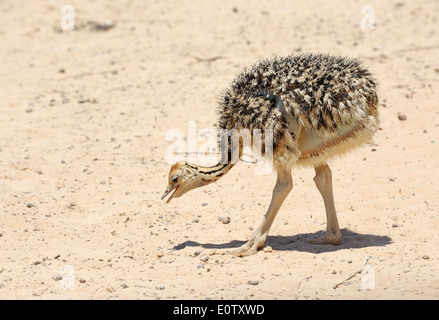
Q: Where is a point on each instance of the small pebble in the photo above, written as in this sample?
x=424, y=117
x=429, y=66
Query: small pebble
x=204, y=204
x=268, y=249
x=204, y=258
x=253, y=282
x=394, y=225
x=225, y=220
x=83, y=100
x=425, y=257
x=102, y=25
x=200, y=266
x=57, y=278
x=81, y=280
x=161, y=287
x=402, y=117
x=196, y=220
x=29, y=205
x=196, y=253
x=159, y=254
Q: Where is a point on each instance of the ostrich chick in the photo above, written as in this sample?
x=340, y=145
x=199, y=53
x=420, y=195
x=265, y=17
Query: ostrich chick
x=316, y=106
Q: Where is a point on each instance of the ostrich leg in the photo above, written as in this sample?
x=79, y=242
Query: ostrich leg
x=323, y=181
x=284, y=184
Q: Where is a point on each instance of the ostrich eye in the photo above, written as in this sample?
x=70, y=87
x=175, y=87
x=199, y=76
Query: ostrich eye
x=174, y=179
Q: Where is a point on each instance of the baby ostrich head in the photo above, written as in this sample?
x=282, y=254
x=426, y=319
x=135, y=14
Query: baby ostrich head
x=182, y=178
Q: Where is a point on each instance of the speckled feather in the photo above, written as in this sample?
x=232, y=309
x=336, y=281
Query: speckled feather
x=321, y=92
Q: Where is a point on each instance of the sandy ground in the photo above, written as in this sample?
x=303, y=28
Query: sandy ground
x=85, y=112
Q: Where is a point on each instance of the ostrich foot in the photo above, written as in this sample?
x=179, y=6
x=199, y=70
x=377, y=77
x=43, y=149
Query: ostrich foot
x=329, y=238
x=256, y=241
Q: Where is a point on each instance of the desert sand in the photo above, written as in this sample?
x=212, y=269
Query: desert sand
x=83, y=124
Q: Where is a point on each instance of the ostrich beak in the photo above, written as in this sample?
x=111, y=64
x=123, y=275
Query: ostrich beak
x=167, y=191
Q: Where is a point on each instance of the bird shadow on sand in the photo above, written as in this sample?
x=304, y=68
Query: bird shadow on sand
x=300, y=242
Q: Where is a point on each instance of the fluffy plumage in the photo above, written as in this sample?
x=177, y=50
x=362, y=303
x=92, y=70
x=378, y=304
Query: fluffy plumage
x=331, y=99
